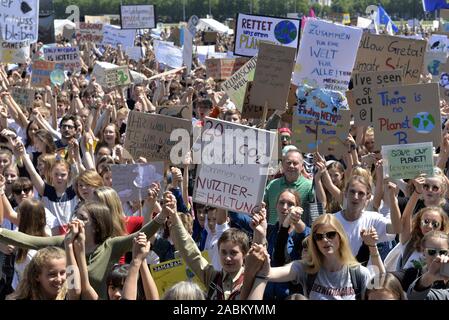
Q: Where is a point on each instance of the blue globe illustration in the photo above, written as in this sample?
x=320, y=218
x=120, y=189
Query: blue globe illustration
x=423, y=122
x=285, y=32
x=433, y=67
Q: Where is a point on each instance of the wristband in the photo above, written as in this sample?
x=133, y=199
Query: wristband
x=261, y=277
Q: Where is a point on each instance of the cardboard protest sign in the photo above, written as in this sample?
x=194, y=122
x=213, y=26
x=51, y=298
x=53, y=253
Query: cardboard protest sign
x=210, y=37
x=114, y=36
x=408, y=161
x=330, y=139
x=17, y=52
x=117, y=76
x=383, y=53
x=360, y=98
x=438, y=42
x=148, y=135
x=235, y=158
x=19, y=20
x=168, y=54
x=433, y=61
x=137, y=16
x=89, y=32
x=326, y=55
x=251, y=29
x=183, y=112
x=131, y=181
x=24, y=97
x=235, y=86
x=69, y=56
x=320, y=104
x=272, y=76
x=68, y=32
x=223, y=69
x=171, y=272
x=40, y=75
x=407, y=114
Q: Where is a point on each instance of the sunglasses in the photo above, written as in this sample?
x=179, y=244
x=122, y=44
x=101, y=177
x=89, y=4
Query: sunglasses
x=285, y=138
x=328, y=235
x=432, y=251
x=25, y=190
x=428, y=187
x=427, y=222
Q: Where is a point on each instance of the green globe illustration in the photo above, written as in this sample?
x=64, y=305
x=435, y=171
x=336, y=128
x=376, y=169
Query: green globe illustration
x=285, y=32
x=423, y=122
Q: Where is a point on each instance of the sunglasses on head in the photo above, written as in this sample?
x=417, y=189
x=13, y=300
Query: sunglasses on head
x=428, y=187
x=19, y=191
x=432, y=251
x=328, y=235
x=434, y=224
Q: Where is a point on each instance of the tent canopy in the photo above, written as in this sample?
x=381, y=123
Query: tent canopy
x=205, y=24
x=60, y=23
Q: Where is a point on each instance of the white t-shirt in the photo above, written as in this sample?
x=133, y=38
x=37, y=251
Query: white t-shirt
x=331, y=285
x=414, y=257
x=211, y=244
x=367, y=220
x=19, y=268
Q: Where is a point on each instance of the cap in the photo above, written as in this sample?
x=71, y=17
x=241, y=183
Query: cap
x=282, y=130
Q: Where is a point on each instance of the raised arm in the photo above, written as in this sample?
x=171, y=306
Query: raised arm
x=395, y=227
x=23, y=240
x=407, y=216
x=36, y=179
x=73, y=273
x=370, y=238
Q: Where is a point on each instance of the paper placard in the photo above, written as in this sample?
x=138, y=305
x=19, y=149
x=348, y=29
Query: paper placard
x=408, y=161
x=18, y=52
x=360, y=98
x=40, y=75
x=19, y=20
x=272, y=76
x=89, y=32
x=131, y=181
x=117, y=76
x=384, y=53
x=135, y=53
x=326, y=55
x=24, y=97
x=69, y=56
x=114, y=36
x=235, y=86
x=234, y=178
x=97, y=19
x=223, y=69
x=168, y=54
x=330, y=139
x=148, y=135
x=251, y=29
x=407, y=114
x=137, y=16
x=438, y=42
x=433, y=62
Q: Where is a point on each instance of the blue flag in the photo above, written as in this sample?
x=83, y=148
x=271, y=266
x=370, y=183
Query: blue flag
x=432, y=5
x=385, y=19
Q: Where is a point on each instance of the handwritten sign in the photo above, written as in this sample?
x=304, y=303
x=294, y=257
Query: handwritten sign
x=231, y=175
x=182, y=112
x=131, y=181
x=168, y=54
x=135, y=53
x=326, y=55
x=114, y=36
x=41, y=71
x=117, y=76
x=384, y=53
x=407, y=114
x=329, y=139
x=252, y=29
x=69, y=56
x=433, y=62
x=272, y=76
x=17, y=52
x=19, y=20
x=408, y=161
x=89, y=32
x=148, y=135
x=24, y=97
x=360, y=98
x=223, y=69
x=438, y=42
x=235, y=86
x=137, y=16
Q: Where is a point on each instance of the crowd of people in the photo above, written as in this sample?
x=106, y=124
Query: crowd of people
x=66, y=234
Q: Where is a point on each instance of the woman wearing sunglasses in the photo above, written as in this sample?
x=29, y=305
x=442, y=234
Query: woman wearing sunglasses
x=328, y=272
x=433, y=284
x=413, y=230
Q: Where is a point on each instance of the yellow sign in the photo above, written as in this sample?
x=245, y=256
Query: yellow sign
x=346, y=18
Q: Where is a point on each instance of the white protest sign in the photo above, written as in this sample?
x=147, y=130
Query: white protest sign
x=191, y=25
x=89, y=32
x=131, y=181
x=438, y=42
x=363, y=22
x=114, y=36
x=135, y=53
x=117, y=76
x=137, y=16
x=204, y=52
x=67, y=55
x=187, y=50
x=17, y=52
x=234, y=176
x=408, y=161
x=326, y=55
x=19, y=20
x=168, y=54
x=250, y=29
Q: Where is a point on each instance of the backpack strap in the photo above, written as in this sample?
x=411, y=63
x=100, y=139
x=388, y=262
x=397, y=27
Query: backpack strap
x=406, y=254
x=356, y=280
x=215, y=291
